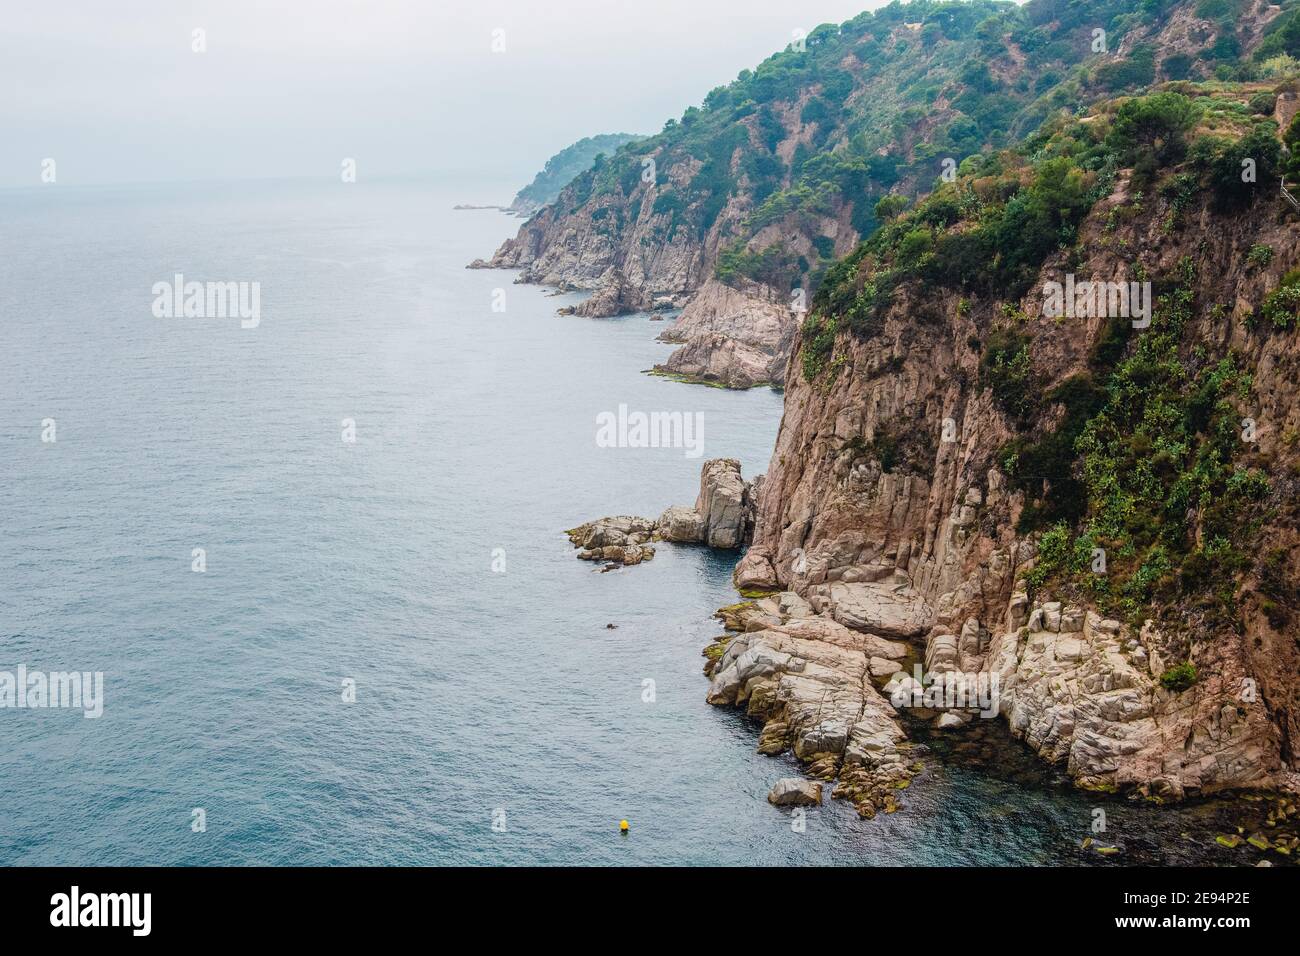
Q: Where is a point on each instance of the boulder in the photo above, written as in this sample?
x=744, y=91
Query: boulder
x=891, y=610
x=882, y=667
x=755, y=571
x=681, y=525
x=949, y=721
x=795, y=791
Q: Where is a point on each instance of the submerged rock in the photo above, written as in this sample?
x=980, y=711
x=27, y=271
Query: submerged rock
x=949, y=721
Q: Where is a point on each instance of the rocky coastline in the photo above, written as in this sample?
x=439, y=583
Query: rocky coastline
x=894, y=553
x=837, y=671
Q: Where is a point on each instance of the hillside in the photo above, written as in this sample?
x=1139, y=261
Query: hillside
x=744, y=202
x=563, y=167
x=1098, y=508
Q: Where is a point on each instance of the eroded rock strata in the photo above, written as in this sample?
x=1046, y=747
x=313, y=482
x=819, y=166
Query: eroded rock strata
x=810, y=681
x=893, y=507
x=1085, y=512
x=734, y=337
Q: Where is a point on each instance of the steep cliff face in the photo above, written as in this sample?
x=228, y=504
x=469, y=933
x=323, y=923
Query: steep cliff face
x=779, y=173
x=953, y=459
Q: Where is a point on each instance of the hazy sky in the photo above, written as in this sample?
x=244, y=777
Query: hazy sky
x=114, y=92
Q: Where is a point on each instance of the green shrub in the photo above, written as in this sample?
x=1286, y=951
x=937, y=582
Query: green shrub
x=914, y=247
x=1292, y=140
x=1153, y=124
x=1260, y=255
x=890, y=207
x=1137, y=69
x=1007, y=369
x=1281, y=307
x=1281, y=37
x=1054, y=555
x=1263, y=103
x=1177, y=67
x=1179, y=677
x=885, y=447
x=774, y=265
x=818, y=345
x=1222, y=162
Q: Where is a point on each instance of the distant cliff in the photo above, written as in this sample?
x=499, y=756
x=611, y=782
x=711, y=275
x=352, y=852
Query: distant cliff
x=561, y=169
x=754, y=195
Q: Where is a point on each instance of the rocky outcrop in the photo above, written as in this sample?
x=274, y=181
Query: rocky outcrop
x=714, y=359
x=1085, y=692
x=809, y=679
x=722, y=504
x=620, y=540
x=722, y=518
x=614, y=295
x=795, y=792
x=630, y=270
x=681, y=525
x=886, y=508
x=733, y=337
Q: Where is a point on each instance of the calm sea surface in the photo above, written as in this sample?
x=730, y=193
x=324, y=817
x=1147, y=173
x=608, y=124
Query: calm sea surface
x=482, y=693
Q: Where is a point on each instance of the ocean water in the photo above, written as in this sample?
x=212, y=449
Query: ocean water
x=425, y=562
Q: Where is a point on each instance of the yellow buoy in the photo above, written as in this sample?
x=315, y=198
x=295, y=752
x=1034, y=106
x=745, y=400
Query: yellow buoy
x=623, y=826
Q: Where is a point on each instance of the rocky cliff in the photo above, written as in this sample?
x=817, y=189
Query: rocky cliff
x=1096, y=505
x=736, y=210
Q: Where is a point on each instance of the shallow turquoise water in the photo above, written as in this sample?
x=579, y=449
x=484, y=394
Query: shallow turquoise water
x=477, y=691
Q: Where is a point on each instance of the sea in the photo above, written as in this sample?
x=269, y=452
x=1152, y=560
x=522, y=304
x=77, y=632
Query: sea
x=316, y=556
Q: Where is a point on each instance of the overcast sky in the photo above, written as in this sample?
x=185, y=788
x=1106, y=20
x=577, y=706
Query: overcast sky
x=114, y=92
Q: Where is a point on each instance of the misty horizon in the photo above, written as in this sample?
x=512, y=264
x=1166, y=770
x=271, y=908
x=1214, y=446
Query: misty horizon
x=120, y=99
